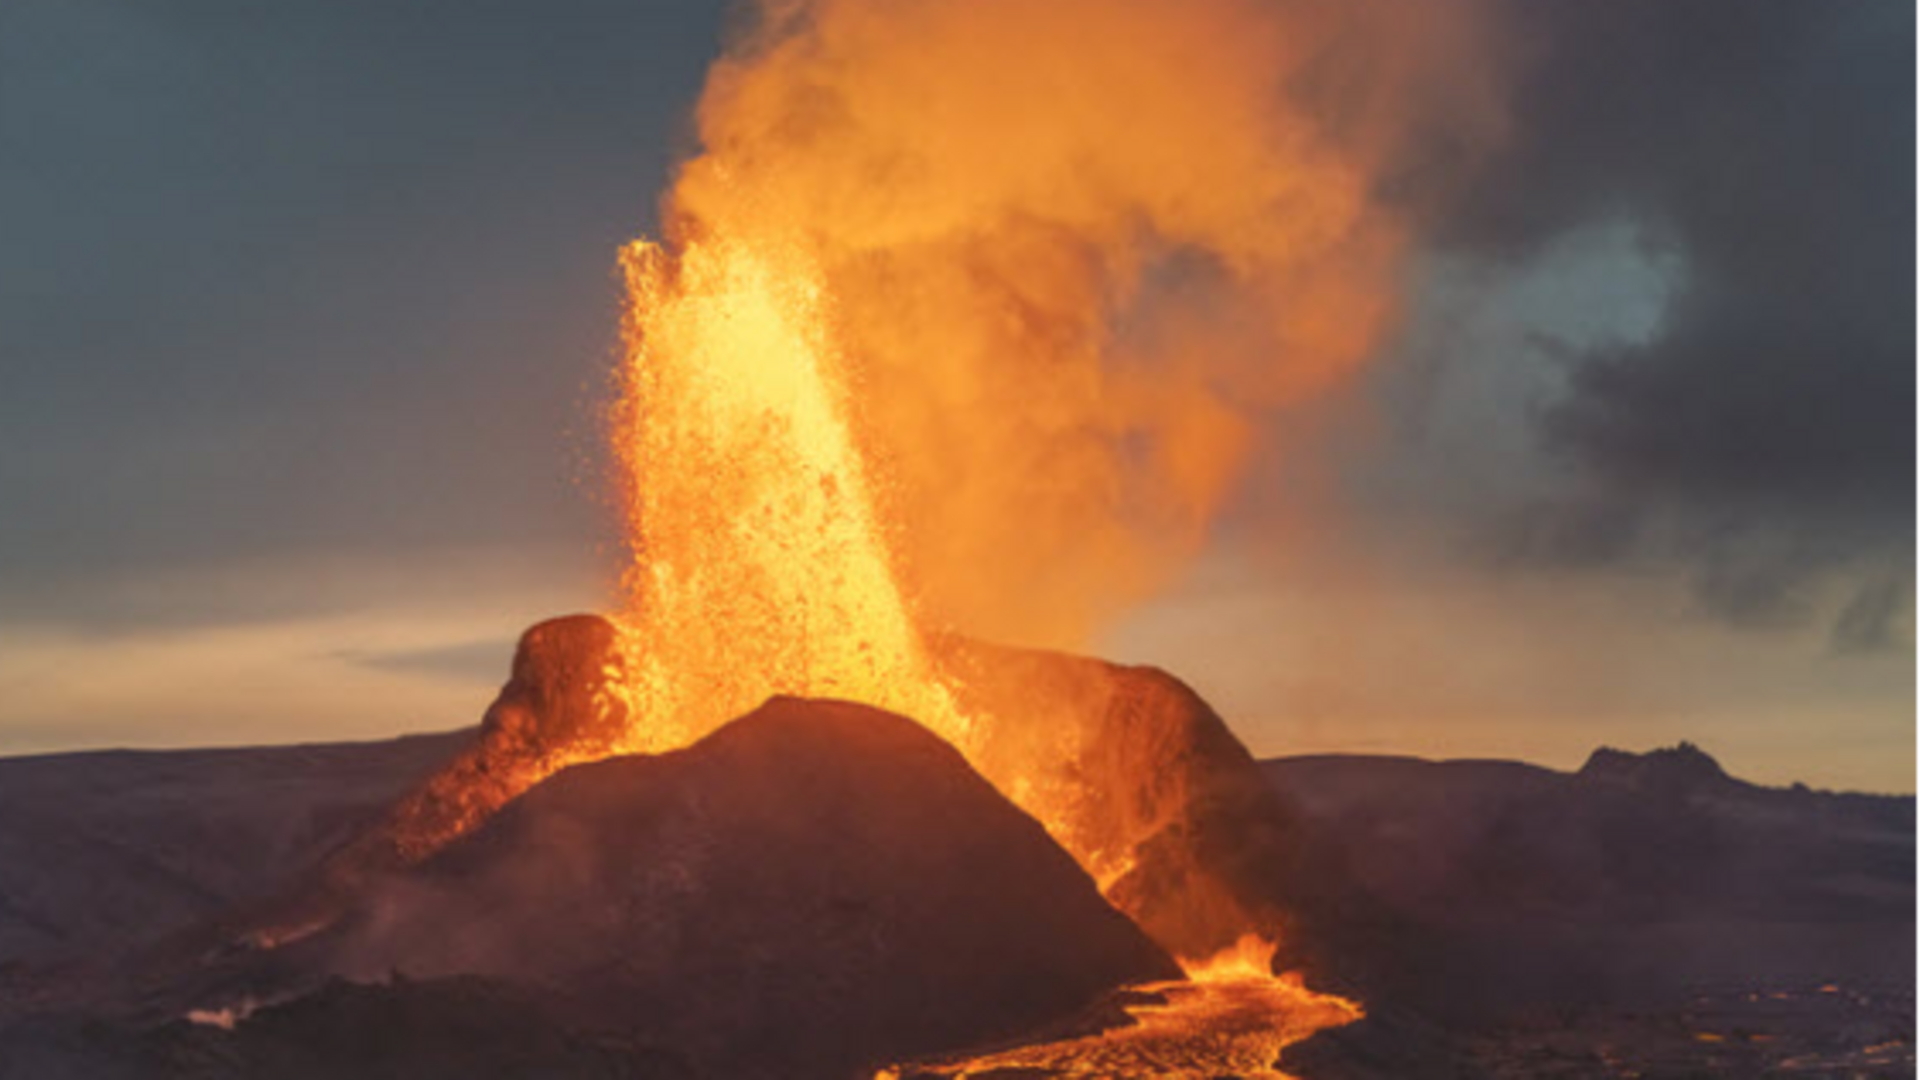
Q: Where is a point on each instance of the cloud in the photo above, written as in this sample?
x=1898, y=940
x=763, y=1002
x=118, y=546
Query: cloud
x=1761, y=439
x=1870, y=623
x=486, y=660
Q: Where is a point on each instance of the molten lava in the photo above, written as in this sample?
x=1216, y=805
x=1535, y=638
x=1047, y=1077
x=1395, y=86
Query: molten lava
x=1231, y=1017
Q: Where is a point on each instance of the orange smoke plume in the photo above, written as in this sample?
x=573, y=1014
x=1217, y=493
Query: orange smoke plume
x=962, y=327
x=1059, y=261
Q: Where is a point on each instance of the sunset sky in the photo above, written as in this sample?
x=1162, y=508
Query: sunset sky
x=307, y=312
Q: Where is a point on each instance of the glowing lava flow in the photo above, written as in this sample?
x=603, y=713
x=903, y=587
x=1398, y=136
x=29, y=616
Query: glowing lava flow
x=1231, y=1018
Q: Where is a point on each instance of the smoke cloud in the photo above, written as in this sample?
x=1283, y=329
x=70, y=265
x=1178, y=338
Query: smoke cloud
x=1761, y=441
x=1075, y=254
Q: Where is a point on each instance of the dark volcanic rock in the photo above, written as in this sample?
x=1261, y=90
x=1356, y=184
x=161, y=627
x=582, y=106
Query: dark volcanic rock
x=1629, y=884
x=102, y=850
x=443, y=1029
x=1675, y=770
x=814, y=888
x=1386, y=1044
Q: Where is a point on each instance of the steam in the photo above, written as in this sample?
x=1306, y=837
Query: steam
x=1073, y=255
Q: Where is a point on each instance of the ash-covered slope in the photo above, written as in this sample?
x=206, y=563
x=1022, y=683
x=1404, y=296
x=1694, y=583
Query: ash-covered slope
x=102, y=850
x=816, y=887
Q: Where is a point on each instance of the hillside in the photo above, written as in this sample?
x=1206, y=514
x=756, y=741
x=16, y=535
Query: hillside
x=1693, y=922
x=102, y=850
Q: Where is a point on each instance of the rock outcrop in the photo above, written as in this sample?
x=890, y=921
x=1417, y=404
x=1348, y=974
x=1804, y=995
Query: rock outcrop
x=1158, y=794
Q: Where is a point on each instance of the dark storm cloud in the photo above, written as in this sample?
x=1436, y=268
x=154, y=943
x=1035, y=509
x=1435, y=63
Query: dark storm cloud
x=1764, y=435
x=326, y=276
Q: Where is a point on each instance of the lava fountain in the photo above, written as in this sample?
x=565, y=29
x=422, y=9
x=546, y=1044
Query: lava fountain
x=760, y=567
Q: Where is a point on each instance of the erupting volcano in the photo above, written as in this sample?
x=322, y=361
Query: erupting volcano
x=959, y=331
x=975, y=346
x=960, y=327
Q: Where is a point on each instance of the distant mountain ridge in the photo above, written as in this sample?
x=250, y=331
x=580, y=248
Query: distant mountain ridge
x=1680, y=767
x=1636, y=876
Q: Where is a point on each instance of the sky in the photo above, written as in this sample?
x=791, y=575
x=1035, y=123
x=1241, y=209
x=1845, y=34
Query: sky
x=307, y=312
